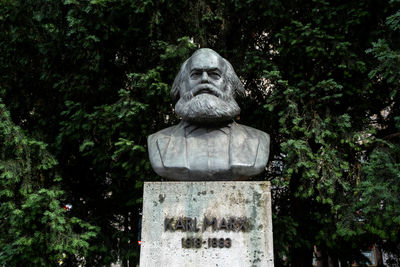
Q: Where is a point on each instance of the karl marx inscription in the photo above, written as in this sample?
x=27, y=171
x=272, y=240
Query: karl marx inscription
x=208, y=144
x=185, y=224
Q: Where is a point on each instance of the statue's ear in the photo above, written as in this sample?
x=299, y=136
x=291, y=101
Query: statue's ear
x=238, y=86
x=234, y=80
x=178, y=82
x=175, y=90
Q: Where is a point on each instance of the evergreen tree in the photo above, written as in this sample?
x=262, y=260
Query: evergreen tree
x=34, y=227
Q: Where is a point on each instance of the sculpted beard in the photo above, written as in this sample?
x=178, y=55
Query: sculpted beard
x=206, y=103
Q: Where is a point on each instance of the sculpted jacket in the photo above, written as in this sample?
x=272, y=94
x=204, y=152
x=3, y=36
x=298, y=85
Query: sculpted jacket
x=189, y=152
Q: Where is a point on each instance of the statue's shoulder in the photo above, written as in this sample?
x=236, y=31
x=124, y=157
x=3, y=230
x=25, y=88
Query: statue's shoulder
x=251, y=149
x=162, y=136
x=162, y=133
x=254, y=133
x=156, y=141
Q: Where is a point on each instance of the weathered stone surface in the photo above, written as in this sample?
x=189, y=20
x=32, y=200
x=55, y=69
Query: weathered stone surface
x=173, y=219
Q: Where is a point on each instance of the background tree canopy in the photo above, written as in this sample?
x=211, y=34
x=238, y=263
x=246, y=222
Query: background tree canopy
x=83, y=83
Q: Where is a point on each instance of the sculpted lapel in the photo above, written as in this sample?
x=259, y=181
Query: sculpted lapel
x=172, y=148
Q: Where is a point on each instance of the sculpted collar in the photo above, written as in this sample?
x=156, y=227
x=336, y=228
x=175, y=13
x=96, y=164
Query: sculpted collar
x=190, y=127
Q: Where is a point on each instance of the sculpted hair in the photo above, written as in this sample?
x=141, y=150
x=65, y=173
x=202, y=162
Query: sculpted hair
x=232, y=79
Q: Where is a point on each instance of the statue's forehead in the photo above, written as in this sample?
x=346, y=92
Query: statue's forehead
x=206, y=60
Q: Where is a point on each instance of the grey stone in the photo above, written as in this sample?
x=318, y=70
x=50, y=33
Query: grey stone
x=208, y=144
x=173, y=211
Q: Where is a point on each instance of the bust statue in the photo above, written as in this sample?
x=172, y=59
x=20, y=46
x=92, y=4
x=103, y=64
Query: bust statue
x=208, y=145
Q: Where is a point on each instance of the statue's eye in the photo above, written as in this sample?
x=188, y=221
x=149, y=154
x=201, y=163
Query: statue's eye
x=214, y=75
x=195, y=74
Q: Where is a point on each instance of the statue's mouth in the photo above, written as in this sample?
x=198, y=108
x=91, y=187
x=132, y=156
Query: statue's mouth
x=206, y=89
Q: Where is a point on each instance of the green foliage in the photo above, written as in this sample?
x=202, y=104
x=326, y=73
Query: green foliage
x=378, y=192
x=35, y=229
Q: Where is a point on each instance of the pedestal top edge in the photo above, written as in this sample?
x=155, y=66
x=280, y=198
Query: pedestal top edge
x=230, y=183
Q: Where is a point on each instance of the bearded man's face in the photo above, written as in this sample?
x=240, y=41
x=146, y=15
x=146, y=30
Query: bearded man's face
x=206, y=96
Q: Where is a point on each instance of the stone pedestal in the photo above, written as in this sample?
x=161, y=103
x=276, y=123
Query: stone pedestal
x=225, y=224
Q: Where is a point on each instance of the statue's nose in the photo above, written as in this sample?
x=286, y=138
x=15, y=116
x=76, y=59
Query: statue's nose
x=204, y=77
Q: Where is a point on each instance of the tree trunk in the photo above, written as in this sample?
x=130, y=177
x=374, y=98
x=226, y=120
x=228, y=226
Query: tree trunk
x=322, y=258
x=301, y=256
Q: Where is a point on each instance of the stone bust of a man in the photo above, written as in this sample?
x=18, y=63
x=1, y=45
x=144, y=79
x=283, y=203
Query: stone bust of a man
x=208, y=144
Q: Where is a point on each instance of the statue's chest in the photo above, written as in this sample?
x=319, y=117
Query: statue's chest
x=207, y=150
